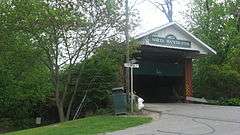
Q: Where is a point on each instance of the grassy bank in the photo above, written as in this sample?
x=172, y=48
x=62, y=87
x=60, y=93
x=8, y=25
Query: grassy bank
x=86, y=126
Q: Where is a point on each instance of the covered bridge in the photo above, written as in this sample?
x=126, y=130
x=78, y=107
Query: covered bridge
x=165, y=63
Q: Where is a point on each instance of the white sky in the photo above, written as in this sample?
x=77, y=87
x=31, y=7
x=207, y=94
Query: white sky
x=151, y=17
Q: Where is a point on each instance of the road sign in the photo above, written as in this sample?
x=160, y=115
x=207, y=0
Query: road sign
x=135, y=65
x=130, y=65
x=127, y=65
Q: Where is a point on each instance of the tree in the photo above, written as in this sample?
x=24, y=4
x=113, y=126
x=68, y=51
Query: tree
x=62, y=33
x=216, y=24
x=24, y=81
x=74, y=30
x=166, y=7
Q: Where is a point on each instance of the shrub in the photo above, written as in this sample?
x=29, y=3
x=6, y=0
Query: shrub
x=104, y=111
x=214, y=82
x=231, y=101
x=99, y=74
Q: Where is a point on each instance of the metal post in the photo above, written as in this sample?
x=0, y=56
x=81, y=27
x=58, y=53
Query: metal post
x=127, y=46
x=132, y=89
x=131, y=66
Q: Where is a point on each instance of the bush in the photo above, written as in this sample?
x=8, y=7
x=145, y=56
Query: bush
x=99, y=75
x=22, y=98
x=24, y=123
x=231, y=101
x=6, y=125
x=215, y=82
x=104, y=111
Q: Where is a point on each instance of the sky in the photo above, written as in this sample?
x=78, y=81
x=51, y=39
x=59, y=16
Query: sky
x=151, y=17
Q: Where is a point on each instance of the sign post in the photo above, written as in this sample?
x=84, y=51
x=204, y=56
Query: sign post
x=131, y=66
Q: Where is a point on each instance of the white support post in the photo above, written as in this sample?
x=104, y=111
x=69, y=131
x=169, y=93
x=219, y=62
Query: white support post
x=132, y=97
x=131, y=66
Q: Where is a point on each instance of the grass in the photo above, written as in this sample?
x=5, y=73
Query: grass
x=86, y=126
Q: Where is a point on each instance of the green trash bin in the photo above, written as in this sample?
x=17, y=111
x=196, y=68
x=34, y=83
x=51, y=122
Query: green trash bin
x=119, y=100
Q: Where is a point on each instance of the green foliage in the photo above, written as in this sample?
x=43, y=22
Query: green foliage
x=104, y=111
x=231, y=101
x=97, y=76
x=24, y=80
x=216, y=82
x=55, y=33
x=100, y=74
x=216, y=24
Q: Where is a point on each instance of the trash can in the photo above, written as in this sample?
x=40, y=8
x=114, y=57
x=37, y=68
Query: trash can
x=119, y=100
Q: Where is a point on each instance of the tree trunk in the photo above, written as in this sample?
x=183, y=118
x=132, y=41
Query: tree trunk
x=60, y=111
x=71, y=100
x=58, y=99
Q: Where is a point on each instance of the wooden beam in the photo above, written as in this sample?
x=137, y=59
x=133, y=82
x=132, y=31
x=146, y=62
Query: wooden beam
x=188, y=78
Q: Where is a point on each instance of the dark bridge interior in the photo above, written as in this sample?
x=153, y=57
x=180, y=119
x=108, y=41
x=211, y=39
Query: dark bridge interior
x=160, y=77
x=157, y=89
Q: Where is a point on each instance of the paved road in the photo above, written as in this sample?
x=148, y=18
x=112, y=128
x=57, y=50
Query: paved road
x=189, y=119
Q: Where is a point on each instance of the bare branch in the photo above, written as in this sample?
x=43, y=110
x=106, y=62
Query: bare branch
x=166, y=8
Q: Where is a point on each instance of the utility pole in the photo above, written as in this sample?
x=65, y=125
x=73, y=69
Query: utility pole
x=127, y=47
